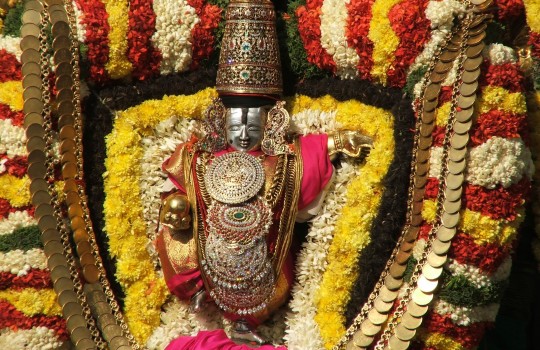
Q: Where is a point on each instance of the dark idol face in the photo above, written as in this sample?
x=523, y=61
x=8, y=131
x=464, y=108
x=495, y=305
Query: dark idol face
x=245, y=128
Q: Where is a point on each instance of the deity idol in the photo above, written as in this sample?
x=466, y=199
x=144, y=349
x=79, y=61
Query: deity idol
x=233, y=196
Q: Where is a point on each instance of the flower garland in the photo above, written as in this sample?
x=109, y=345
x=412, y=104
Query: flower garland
x=202, y=35
x=118, y=65
x=333, y=37
x=441, y=15
x=352, y=229
x=145, y=59
x=357, y=30
x=145, y=291
x=30, y=317
x=15, y=320
x=97, y=37
x=31, y=301
x=302, y=330
x=409, y=22
x=479, y=261
x=384, y=39
x=11, y=68
x=174, y=23
x=309, y=23
x=33, y=338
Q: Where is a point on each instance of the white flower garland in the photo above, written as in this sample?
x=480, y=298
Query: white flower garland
x=497, y=161
x=441, y=14
x=81, y=27
x=15, y=220
x=499, y=54
x=476, y=276
x=333, y=17
x=37, y=338
x=11, y=45
x=464, y=316
x=156, y=149
x=19, y=262
x=302, y=332
x=174, y=22
x=12, y=139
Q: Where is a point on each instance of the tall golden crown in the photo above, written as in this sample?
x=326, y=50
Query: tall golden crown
x=249, y=61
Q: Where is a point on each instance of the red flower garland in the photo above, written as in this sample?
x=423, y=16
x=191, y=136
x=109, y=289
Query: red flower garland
x=17, y=117
x=438, y=135
x=468, y=336
x=506, y=75
x=10, y=69
x=498, y=123
x=509, y=9
x=6, y=208
x=16, y=166
x=445, y=96
x=357, y=30
x=487, y=257
x=497, y=203
x=409, y=22
x=35, y=278
x=309, y=27
x=97, y=37
x=14, y=319
x=534, y=41
x=142, y=55
x=202, y=33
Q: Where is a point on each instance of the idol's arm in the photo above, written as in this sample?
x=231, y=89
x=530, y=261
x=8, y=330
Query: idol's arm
x=349, y=142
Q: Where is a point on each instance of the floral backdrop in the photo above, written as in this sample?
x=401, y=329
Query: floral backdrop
x=357, y=64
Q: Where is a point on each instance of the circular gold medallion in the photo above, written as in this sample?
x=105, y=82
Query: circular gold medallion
x=234, y=177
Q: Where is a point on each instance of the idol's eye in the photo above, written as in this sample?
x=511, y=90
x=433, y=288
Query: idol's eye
x=254, y=128
x=234, y=128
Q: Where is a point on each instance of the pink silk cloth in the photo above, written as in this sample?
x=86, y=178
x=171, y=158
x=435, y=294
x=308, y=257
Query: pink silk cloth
x=213, y=340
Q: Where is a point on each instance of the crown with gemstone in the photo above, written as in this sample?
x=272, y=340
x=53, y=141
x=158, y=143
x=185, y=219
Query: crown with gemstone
x=249, y=61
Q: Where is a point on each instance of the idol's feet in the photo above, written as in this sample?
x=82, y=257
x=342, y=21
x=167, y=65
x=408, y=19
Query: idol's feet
x=197, y=301
x=243, y=334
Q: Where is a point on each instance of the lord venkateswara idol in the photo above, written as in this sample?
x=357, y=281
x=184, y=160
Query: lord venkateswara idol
x=232, y=197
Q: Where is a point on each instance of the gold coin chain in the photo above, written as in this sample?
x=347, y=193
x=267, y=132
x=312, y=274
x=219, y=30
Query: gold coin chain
x=115, y=336
x=38, y=123
x=465, y=39
x=381, y=292
x=400, y=309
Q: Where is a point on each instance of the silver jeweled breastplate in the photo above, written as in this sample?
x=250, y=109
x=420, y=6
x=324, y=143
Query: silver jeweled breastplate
x=236, y=260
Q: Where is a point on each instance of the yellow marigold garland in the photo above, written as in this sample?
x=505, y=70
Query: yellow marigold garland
x=11, y=94
x=532, y=9
x=15, y=190
x=385, y=41
x=118, y=66
x=145, y=290
x=31, y=301
x=480, y=227
x=352, y=229
x=441, y=342
x=494, y=97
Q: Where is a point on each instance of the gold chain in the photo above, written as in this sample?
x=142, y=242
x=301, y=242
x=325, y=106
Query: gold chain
x=50, y=178
x=80, y=175
x=398, y=313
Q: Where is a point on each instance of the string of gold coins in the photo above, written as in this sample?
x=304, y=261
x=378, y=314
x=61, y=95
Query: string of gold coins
x=53, y=123
x=393, y=325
